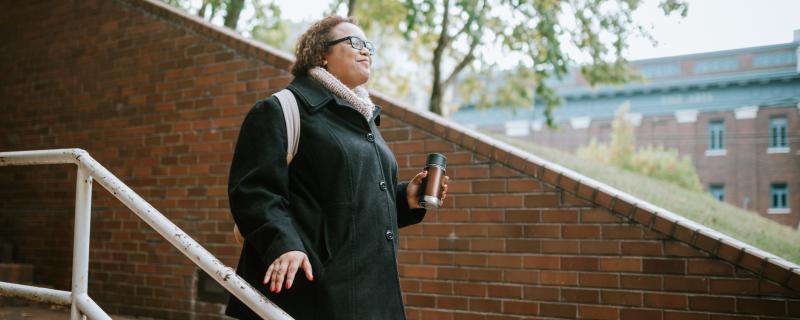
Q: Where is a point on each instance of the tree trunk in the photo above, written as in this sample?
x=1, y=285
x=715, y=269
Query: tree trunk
x=436, y=90
x=233, y=9
x=436, y=98
x=202, y=11
x=351, y=8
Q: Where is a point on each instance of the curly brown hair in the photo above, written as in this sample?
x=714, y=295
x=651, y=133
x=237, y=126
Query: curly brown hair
x=311, y=46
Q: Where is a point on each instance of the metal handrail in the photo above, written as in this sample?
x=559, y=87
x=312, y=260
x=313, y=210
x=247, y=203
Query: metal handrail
x=78, y=298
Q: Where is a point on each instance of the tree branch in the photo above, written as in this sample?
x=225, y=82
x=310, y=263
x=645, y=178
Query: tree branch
x=443, y=36
x=464, y=62
x=460, y=31
x=476, y=40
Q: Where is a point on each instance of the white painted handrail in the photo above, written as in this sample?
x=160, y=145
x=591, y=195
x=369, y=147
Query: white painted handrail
x=90, y=170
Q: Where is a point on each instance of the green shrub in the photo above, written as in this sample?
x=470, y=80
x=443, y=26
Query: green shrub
x=653, y=161
x=665, y=164
x=623, y=138
x=600, y=152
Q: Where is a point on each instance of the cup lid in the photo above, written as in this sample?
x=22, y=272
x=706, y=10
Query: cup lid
x=437, y=159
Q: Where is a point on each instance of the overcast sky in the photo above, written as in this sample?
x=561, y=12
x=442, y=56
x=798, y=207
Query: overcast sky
x=711, y=25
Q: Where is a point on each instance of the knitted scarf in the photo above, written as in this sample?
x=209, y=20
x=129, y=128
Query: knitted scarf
x=358, y=97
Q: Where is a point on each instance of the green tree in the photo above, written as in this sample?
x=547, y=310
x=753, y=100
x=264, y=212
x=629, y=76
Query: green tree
x=265, y=25
x=268, y=27
x=459, y=34
x=233, y=8
x=351, y=6
x=266, y=11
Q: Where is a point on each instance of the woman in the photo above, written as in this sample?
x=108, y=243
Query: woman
x=321, y=233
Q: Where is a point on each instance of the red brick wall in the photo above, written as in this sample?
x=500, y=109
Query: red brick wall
x=158, y=99
x=158, y=105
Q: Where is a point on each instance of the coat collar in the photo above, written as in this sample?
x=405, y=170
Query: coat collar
x=312, y=93
x=314, y=96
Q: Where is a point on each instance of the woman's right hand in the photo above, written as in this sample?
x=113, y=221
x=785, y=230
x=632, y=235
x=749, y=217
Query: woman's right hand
x=285, y=267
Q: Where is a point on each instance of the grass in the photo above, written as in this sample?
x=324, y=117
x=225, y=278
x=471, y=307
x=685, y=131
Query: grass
x=746, y=226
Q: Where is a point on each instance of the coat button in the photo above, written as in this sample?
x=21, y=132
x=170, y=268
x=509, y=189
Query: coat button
x=370, y=137
x=389, y=235
x=382, y=185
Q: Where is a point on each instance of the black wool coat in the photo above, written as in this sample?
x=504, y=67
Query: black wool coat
x=339, y=201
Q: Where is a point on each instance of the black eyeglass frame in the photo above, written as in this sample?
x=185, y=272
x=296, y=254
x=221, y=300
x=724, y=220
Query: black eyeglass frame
x=361, y=43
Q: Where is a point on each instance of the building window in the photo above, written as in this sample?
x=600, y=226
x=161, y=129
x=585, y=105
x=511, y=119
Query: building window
x=716, y=138
x=778, y=142
x=774, y=59
x=660, y=70
x=779, y=198
x=716, y=65
x=717, y=191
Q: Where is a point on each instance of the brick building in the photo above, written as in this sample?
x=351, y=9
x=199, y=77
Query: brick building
x=157, y=97
x=735, y=112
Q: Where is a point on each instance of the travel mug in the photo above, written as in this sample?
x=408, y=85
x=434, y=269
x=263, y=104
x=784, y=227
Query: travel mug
x=432, y=185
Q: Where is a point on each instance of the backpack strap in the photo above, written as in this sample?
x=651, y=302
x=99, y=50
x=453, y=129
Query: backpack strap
x=292, y=117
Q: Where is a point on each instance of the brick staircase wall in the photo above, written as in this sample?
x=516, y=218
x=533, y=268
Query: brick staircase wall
x=157, y=97
x=16, y=273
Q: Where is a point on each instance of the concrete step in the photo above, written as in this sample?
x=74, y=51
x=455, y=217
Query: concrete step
x=45, y=312
x=20, y=273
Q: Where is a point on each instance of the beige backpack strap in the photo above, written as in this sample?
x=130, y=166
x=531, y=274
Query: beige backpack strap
x=291, y=115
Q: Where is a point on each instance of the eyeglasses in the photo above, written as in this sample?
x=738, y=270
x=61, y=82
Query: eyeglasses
x=355, y=42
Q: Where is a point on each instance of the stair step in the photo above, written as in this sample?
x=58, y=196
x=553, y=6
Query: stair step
x=20, y=273
x=47, y=312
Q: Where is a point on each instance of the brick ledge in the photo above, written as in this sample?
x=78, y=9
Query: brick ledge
x=760, y=262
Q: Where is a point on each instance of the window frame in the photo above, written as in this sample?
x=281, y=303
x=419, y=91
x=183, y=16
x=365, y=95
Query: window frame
x=779, y=195
x=716, y=138
x=717, y=191
x=778, y=141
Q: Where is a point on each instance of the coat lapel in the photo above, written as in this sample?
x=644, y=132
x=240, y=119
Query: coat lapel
x=314, y=96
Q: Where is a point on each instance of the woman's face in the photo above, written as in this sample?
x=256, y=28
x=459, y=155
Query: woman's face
x=349, y=65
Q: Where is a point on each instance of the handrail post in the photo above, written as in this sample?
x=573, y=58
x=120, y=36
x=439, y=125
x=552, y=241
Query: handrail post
x=88, y=170
x=80, y=250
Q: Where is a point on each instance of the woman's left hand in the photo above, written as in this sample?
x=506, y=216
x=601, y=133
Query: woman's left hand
x=414, y=192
